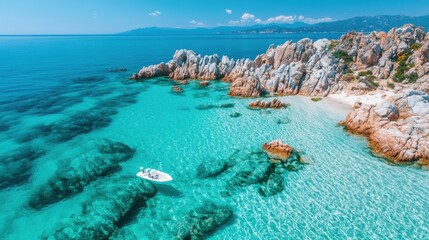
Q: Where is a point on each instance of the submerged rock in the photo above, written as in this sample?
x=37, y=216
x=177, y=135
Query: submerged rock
x=17, y=166
x=235, y=115
x=117, y=70
x=123, y=234
x=110, y=204
x=211, y=168
x=205, y=107
x=87, y=121
x=202, y=221
x=275, y=103
x=272, y=186
x=283, y=121
x=259, y=168
x=71, y=178
x=227, y=105
x=211, y=106
x=204, y=83
x=177, y=89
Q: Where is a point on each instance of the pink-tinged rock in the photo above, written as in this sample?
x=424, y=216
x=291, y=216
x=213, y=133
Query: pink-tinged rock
x=275, y=103
x=278, y=150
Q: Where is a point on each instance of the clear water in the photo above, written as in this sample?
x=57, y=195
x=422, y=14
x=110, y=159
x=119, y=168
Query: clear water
x=345, y=193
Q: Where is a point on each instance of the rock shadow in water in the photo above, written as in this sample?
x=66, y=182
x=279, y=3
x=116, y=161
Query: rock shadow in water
x=168, y=190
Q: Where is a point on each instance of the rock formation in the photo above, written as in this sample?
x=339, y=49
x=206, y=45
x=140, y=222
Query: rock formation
x=275, y=103
x=310, y=68
x=278, y=150
x=397, y=128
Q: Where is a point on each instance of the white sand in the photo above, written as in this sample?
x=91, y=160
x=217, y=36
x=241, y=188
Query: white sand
x=369, y=98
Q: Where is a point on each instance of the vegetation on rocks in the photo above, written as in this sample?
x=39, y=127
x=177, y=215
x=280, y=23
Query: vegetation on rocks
x=341, y=54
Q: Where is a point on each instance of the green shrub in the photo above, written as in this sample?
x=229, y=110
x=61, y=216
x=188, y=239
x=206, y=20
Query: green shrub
x=375, y=84
x=340, y=54
x=415, y=46
x=400, y=72
x=316, y=99
x=348, y=77
x=391, y=85
x=412, y=78
x=333, y=44
x=365, y=73
x=371, y=77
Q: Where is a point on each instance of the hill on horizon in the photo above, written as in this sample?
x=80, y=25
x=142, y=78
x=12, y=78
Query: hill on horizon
x=360, y=24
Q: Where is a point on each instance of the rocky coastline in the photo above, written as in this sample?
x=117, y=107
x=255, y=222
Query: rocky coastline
x=396, y=62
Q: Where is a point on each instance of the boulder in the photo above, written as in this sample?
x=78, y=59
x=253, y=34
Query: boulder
x=278, y=150
x=396, y=128
x=275, y=103
x=177, y=89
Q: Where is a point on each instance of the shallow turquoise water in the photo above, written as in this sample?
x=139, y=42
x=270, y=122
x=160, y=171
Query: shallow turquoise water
x=345, y=192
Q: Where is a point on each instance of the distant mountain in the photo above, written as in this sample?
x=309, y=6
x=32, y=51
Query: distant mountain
x=217, y=30
x=360, y=24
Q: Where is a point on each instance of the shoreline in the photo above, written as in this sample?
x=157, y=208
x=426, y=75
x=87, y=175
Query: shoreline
x=370, y=98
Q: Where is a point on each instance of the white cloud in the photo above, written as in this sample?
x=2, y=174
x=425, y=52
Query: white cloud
x=155, y=13
x=317, y=20
x=233, y=22
x=280, y=19
x=229, y=11
x=196, y=23
x=247, y=17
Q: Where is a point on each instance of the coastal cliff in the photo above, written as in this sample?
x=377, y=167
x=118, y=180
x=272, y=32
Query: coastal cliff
x=356, y=64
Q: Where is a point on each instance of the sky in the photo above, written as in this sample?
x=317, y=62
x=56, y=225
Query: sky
x=113, y=16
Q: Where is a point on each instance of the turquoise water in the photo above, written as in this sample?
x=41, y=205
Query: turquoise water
x=58, y=100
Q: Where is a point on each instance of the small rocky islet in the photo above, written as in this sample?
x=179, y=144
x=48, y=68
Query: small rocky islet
x=356, y=64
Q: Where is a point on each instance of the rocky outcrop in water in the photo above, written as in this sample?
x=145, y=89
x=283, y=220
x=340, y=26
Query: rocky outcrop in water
x=275, y=103
x=101, y=215
x=278, y=150
x=177, y=89
x=202, y=221
x=72, y=178
x=397, y=128
x=355, y=63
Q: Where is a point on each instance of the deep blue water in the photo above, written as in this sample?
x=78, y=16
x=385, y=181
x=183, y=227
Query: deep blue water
x=58, y=102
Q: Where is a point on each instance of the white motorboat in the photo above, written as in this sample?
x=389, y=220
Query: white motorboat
x=154, y=175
